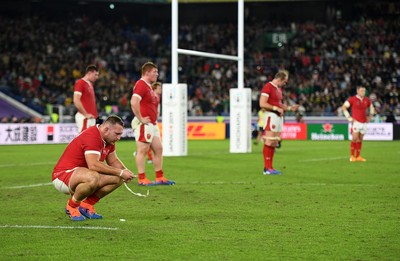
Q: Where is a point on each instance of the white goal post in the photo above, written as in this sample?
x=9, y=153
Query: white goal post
x=240, y=101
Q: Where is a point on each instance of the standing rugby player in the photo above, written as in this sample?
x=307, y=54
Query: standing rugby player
x=359, y=105
x=271, y=102
x=85, y=99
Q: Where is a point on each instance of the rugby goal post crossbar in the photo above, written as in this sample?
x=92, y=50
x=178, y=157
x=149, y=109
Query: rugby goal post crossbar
x=240, y=98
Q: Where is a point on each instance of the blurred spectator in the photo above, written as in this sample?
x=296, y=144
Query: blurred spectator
x=325, y=61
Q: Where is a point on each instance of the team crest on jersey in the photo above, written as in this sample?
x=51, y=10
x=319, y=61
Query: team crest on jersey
x=148, y=136
x=104, y=153
x=273, y=126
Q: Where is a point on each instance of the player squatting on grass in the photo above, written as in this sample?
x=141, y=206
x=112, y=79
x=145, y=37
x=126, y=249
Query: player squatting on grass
x=80, y=171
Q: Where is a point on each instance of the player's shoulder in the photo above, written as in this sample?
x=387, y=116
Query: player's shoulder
x=91, y=132
x=139, y=85
x=80, y=83
x=352, y=98
x=266, y=86
x=91, y=137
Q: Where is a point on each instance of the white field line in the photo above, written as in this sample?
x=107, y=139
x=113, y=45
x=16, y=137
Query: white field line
x=26, y=164
x=59, y=227
x=30, y=186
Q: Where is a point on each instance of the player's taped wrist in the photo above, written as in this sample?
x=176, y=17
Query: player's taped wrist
x=347, y=115
x=274, y=108
x=122, y=171
x=289, y=108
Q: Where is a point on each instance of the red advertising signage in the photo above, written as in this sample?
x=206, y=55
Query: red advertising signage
x=294, y=131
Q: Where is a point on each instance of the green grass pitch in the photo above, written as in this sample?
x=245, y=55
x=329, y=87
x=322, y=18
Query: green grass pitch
x=222, y=208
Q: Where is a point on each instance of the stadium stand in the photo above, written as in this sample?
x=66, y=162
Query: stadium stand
x=42, y=56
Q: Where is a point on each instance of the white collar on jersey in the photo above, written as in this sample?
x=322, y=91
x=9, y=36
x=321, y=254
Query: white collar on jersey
x=88, y=82
x=98, y=128
x=274, y=85
x=146, y=82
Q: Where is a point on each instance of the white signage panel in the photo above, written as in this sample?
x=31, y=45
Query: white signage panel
x=240, y=120
x=377, y=131
x=174, y=119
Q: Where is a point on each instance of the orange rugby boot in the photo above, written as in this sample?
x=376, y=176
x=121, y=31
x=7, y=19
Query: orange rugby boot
x=145, y=182
x=74, y=213
x=359, y=158
x=88, y=211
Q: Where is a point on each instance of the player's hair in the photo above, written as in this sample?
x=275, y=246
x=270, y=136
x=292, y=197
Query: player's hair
x=91, y=68
x=155, y=84
x=114, y=119
x=281, y=75
x=148, y=67
x=360, y=86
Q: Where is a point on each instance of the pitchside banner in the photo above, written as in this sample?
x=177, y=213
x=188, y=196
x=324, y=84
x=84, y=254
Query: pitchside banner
x=376, y=131
x=240, y=120
x=174, y=118
x=294, y=131
x=26, y=133
x=327, y=131
x=203, y=130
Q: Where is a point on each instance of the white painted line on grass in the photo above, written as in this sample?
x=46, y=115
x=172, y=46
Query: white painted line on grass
x=59, y=227
x=30, y=186
x=27, y=164
x=323, y=159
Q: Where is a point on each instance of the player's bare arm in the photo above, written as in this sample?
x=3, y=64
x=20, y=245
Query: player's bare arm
x=135, y=106
x=371, y=112
x=93, y=163
x=113, y=161
x=79, y=106
x=346, y=113
x=266, y=106
x=291, y=107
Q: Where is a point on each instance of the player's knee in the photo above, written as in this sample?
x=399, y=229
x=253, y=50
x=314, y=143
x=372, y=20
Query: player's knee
x=158, y=151
x=93, y=179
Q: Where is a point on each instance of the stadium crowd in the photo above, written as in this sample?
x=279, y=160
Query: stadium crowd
x=41, y=59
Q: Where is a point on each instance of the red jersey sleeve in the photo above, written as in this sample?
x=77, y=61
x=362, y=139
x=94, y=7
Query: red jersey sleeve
x=359, y=108
x=140, y=89
x=274, y=94
x=91, y=144
x=79, y=86
x=149, y=102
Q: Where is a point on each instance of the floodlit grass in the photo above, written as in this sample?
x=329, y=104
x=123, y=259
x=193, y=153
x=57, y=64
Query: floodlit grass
x=222, y=208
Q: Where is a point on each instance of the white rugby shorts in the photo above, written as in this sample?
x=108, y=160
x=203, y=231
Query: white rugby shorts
x=359, y=127
x=273, y=122
x=82, y=122
x=144, y=132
